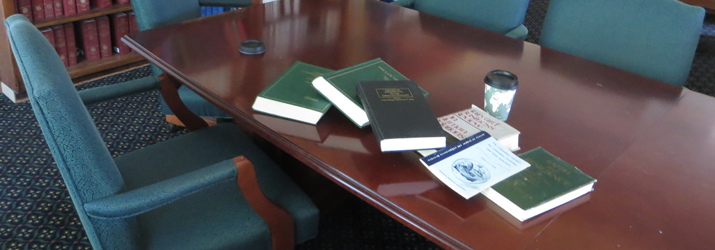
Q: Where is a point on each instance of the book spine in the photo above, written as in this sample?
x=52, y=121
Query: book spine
x=133, y=25
x=25, y=8
x=71, y=44
x=58, y=8
x=69, y=7
x=122, y=1
x=47, y=32
x=49, y=8
x=105, y=39
x=82, y=5
x=100, y=3
x=120, y=26
x=38, y=10
x=368, y=111
x=90, y=43
x=61, y=43
x=17, y=6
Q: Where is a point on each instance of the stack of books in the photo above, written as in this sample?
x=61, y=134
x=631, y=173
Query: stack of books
x=396, y=107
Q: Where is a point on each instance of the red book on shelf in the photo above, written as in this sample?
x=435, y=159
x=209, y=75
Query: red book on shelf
x=69, y=7
x=133, y=25
x=120, y=28
x=58, y=8
x=47, y=32
x=38, y=10
x=105, y=38
x=61, y=43
x=90, y=43
x=71, y=44
x=122, y=1
x=25, y=8
x=82, y=5
x=101, y=3
x=49, y=8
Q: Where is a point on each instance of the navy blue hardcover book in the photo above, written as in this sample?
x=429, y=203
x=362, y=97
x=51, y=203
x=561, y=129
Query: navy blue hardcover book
x=400, y=116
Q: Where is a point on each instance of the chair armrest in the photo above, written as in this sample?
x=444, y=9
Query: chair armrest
x=99, y=94
x=226, y=3
x=405, y=3
x=149, y=197
x=279, y=221
x=519, y=32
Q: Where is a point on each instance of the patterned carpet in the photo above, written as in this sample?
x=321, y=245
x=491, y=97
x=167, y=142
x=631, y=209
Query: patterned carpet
x=36, y=211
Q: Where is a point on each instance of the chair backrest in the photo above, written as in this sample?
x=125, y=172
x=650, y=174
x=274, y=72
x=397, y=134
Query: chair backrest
x=86, y=165
x=155, y=13
x=500, y=16
x=653, y=38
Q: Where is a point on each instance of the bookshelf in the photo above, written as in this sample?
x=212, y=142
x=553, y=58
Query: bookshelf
x=10, y=77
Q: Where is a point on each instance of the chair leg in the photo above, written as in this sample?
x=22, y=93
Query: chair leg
x=172, y=119
x=169, y=90
x=280, y=223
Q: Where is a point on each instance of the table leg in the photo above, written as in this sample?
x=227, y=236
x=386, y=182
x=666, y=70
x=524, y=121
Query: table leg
x=170, y=92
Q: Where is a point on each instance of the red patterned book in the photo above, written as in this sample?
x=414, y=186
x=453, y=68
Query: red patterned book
x=49, y=8
x=38, y=10
x=25, y=8
x=101, y=3
x=90, y=43
x=61, y=43
x=133, y=25
x=120, y=28
x=69, y=7
x=105, y=39
x=82, y=5
x=58, y=8
x=47, y=32
x=71, y=44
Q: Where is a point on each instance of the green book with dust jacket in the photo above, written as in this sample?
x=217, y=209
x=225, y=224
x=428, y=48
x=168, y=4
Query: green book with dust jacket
x=339, y=86
x=292, y=96
x=548, y=183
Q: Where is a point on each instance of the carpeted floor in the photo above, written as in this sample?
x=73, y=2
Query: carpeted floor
x=36, y=211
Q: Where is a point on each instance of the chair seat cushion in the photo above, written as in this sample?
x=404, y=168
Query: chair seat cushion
x=197, y=104
x=206, y=209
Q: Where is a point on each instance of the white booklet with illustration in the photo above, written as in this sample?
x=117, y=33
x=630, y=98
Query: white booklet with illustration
x=474, y=164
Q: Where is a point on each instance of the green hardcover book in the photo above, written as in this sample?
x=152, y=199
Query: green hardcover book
x=548, y=183
x=292, y=96
x=339, y=86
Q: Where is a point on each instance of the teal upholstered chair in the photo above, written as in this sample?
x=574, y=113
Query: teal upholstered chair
x=154, y=13
x=500, y=16
x=653, y=38
x=179, y=194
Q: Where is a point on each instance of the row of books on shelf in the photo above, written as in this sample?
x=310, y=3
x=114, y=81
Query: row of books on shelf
x=36, y=10
x=93, y=38
x=209, y=10
x=469, y=151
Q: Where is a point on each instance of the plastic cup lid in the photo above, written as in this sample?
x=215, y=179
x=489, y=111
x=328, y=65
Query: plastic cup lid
x=252, y=47
x=502, y=79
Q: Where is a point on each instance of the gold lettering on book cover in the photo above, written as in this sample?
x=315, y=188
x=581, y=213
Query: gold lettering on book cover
x=394, y=94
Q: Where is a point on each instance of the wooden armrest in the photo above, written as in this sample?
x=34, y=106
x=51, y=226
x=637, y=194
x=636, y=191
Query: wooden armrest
x=170, y=92
x=280, y=223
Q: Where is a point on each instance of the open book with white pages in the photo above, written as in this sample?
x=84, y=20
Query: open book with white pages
x=473, y=164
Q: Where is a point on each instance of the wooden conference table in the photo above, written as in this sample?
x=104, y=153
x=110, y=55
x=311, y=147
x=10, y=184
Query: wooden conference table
x=650, y=145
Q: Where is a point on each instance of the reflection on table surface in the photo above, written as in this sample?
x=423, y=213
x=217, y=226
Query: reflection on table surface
x=649, y=144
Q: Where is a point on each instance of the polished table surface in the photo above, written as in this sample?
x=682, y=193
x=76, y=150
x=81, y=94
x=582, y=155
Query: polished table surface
x=650, y=145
